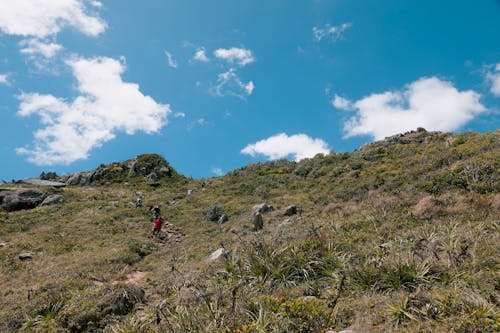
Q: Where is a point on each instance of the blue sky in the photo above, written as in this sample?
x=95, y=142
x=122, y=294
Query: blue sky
x=215, y=85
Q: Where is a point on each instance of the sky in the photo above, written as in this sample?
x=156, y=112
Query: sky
x=215, y=85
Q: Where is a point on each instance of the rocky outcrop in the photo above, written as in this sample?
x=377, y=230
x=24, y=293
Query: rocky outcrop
x=291, y=210
x=214, y=212
x=42, y=182
x=12, y=199
x=150, y=166
x=262, y=208
x=217, y=254
x=52, y=200
x=257, y=221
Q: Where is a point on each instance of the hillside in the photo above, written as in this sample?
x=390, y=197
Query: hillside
x=399, y=235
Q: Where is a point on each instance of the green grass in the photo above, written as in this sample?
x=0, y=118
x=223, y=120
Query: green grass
x=393, y=237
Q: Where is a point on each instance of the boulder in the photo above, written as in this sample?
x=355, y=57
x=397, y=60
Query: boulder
x=26, y=256
x=80, y=178
x=291, y=210
x=217, y=254
x=152, y=177
x=257, y=221
x=262, y=208
x=42, y=182
x=12, y=199
x=214, y=212
x=52, y=200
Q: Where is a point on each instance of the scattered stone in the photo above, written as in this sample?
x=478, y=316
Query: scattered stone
x=262, y=208
x=257, y=221
x=214, y=212
x=52, y=200
x=3, y=244
x=291, y=210
x=189, y=192
x=217, y=254
x=26, y=256
x=42, y=182
x=12, y=199
x=386, y=245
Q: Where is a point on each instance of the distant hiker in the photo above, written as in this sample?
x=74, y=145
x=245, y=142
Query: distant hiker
x=156, y=212
x=157, y=227
x=138, y=203
x=203, y=184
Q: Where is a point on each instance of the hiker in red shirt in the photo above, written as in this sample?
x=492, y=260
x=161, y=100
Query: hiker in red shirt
x=157, y=227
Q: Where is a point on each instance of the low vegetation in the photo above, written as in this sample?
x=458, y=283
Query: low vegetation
x=400, y=235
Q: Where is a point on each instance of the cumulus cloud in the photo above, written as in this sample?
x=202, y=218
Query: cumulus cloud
x=4, y=79
x=106, y=106
x=179, y=115
x=217, y=171
x=333, y=33
x=200, y=55
x=234, y=55
x=341, y=103
x=494, y=78
x=281, y=145
x=33, y=47
x=428, y=102
x=230, y=84
x=170, y=60
x=42, y=18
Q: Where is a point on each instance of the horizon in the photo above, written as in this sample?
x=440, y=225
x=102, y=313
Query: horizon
x=214, y=87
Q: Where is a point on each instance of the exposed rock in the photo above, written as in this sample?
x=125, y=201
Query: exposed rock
x=262, y=208
x=257, y=221
x=217, y=254
x=12, y=199
x=214, y=212
x=26, y=256
x=152, y=177
x=164, y=171
x=80, y=178
x=291, y=210
x=41, y=182
x=52, y=200
x=3, y=244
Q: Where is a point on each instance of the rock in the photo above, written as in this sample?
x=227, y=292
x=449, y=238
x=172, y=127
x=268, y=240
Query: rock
x=262, y=208
x=217, y=254
x=152, y=177
x=257, y=221
x=291, y=210
x=164, y=171
x=3, y=244
x=80, y=178
x=223, y=218
x=26, y=256
x=12, y=199
x=42, y=182
x=214, y=212
x=386, y=245
x=52, y=200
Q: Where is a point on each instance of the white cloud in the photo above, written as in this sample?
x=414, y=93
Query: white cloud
x=170, y=59
x=217, y=171
x=334, y=33
x=95, y=3
x=179, y=115
x=4, y=79
x=42, y=18
x=235, y=55
x=200, y=55
x=428, y=102
x=33, y=47
x=281, y=145
x=494, y=78
x=105, y=107
x=341, y=103
x=230, y=84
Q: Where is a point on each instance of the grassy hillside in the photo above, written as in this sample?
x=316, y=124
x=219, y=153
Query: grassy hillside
x=400, y=235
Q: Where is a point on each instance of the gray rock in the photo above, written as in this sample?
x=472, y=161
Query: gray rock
x=12, y=199
x=26, y=256
x=52, y=200
x=152, y=177
x=217, y=254
x=80, y=178
x=164, y=171
x=291, y=210
x=257, y=221
x=41, y=182
x=214, y=212
x=262, y=208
